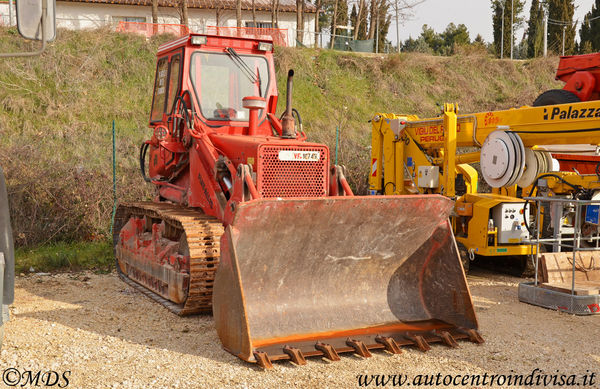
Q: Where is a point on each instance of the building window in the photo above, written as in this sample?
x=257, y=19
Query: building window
x=136, y=19
x=259, y=25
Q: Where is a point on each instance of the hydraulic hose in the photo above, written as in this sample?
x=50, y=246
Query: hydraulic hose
x=577, y=188
x=143, y=151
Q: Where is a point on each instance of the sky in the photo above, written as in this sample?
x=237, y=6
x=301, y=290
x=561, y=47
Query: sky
x=475, y=14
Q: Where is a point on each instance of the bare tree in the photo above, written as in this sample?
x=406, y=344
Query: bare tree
x=299, y=20
x=155, y=11
x=218, y=14
x=273, y=18
x=362, y=5
x=253, y=14
x=402, y=10
x=335, y=7
x=238, y=13
x=184, y=12
x=155, y=16
x=318, y=5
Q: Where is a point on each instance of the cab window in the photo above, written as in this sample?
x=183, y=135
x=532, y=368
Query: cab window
x=221, y=81
x=174, y=77
x=160, y=89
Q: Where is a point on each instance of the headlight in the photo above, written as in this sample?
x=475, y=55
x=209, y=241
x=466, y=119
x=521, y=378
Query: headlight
x=198, y=40
x=264, y=46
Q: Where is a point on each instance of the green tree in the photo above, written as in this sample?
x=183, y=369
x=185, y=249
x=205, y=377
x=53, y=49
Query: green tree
x=497, y=22
x=432, y=39
x=454, y=35
x=361, y=34
x=535, y=30
x=362, y=29
x=416, y=45
x=560, y=19
x=341, y=18
x=589, y=32
x=353, y=16
x=379, y=22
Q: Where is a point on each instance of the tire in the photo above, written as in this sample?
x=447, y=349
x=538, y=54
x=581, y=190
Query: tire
x=555, y=96
x=527, y=267
x=464, y=257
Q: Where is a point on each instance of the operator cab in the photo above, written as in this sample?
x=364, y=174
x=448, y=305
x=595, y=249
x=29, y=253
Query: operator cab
x=216, y=73
x=220, y=81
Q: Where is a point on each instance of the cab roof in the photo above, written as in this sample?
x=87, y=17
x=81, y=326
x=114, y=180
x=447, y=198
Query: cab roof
x=215, y=41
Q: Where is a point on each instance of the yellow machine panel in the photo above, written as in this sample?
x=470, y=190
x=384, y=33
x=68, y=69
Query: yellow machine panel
x=410, y=155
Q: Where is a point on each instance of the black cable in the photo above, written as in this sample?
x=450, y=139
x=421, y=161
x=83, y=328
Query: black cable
x=186, y=116
x=385, y=186
x=143, y=150
x=295, y=111
x=577, y=188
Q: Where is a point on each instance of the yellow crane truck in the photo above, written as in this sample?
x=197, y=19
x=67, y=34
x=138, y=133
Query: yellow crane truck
x=410, y=155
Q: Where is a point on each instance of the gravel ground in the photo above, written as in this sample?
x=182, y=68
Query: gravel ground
x=110, y=336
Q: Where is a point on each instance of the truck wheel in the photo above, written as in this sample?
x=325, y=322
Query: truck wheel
x=527, y=267
x=555, y=96
x=464, y=257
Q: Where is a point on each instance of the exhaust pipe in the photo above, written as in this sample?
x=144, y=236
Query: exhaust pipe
x=288, y=130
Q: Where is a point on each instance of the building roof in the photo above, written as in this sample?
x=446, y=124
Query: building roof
x=259, y=5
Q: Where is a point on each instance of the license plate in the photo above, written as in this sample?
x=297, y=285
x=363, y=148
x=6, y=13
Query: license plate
x=293, y=155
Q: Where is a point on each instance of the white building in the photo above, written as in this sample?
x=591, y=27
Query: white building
x=83, y=14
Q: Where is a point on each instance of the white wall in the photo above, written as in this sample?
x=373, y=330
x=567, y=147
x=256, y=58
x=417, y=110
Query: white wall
x=4, y=13
x=87, y=15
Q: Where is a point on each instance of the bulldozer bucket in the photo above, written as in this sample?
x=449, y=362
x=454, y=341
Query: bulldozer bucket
x=317, y=277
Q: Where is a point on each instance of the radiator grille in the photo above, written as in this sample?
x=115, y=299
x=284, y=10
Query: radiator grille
x=277, y=178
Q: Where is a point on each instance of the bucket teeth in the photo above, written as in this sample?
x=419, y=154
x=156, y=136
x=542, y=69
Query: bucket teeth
x=389, y=344
x=419, y=341
x=295, y=355
x=473, y=335
x=263, y=360
x=328, y=351
x=359, y=348
x=447, y=338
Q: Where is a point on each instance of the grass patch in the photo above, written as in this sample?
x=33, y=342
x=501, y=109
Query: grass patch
x=66, y=256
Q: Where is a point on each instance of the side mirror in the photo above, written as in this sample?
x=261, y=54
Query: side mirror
x=32, y=15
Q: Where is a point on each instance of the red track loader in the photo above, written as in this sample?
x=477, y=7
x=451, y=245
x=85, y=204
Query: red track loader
x=581, y=75
x=252, y=222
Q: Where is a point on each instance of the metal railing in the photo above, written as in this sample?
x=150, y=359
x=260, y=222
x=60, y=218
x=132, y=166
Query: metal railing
x=323, y=40
x=151, y=29
x=557, y=240
x=279, y=35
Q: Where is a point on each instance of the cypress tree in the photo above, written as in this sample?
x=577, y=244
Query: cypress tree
x=353, y=16
x=590, y=30
x=497, y=23
x=362, y=29
x=535, y=30
x=341, y=17
x=560, y=18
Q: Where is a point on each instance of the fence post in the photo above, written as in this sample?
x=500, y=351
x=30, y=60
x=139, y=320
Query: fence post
x=114, y=166
x=337, y=141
